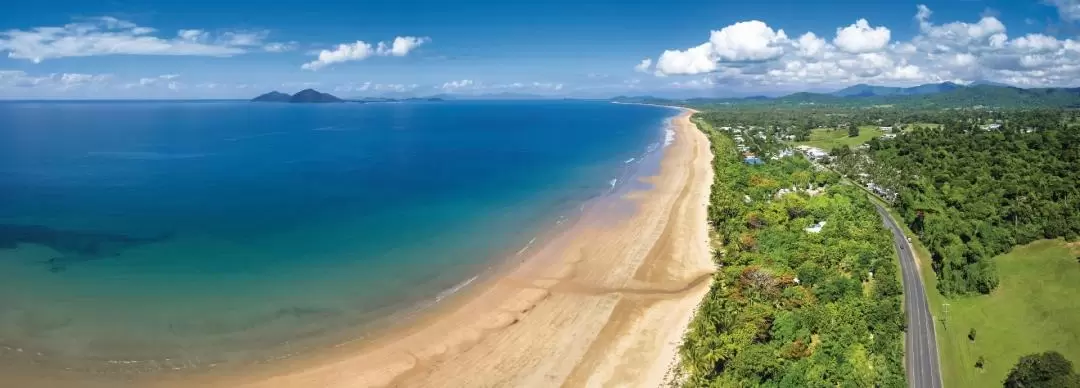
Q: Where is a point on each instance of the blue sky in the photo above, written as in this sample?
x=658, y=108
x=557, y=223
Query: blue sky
x=236, y=49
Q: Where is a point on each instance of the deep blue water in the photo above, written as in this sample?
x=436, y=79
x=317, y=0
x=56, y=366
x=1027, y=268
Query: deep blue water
x=219, y=231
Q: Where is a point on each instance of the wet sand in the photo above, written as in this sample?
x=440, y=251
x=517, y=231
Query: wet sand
x=603, y=304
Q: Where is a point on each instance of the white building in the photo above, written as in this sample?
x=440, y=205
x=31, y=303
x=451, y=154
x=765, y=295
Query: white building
x=815, y=228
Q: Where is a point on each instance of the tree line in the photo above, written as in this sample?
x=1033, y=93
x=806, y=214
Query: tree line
x=973, y=191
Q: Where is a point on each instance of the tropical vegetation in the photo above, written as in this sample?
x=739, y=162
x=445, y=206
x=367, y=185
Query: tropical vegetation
x=808, y=294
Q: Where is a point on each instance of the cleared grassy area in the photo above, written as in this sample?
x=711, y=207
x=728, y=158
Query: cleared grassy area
x=1035, y=308
x=828, y=138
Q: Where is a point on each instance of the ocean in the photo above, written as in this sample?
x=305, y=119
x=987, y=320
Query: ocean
x=137, y=236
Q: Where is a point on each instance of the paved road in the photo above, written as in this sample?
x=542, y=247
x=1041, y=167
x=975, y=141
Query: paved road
x=921, y=356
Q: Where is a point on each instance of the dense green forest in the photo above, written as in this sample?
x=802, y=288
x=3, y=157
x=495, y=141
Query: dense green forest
x=972, y=193
x=792, y=307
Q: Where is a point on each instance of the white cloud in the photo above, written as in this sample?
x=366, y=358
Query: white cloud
x=361, y=50
x=279, y=47
x=695, y=60
x=747, y=41
x=54, y=82
x=456, y=85
x=352, y=87
x=643, y=66
x=740, y=42
x=193, y=35
x=811, y=45
x=111, y=36
x=402, y=45
x=861, y=38
x=1036, y=43
x=344, y=52
x=163, y=79
x=957, y=51
x=70, y=80
x=1067, y=9
x=399, y=88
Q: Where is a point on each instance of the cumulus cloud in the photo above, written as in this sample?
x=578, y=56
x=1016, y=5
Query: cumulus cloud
x=747, y=41
x=360, y=50
x=402, y=45
x=861, y=38
x=344, y=52
x=695, y=60
x=957, y=51
x=111, y=36
x=643, y=66
x=811, y=45
x=740, y=42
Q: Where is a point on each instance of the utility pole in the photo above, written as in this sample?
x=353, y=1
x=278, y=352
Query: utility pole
x=945, y=319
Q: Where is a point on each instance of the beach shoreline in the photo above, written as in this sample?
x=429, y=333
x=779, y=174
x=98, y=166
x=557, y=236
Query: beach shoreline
x=603, y=302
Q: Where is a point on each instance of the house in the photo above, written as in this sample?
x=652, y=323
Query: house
x=815, y=228
x=753, y=160
x=886, y=129
x=888, y=136
x=813, y=153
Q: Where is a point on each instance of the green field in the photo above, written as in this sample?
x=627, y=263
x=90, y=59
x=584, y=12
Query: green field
x=1035, y=308
x=828, y=138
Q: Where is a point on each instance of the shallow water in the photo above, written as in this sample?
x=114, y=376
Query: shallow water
x=179, y=235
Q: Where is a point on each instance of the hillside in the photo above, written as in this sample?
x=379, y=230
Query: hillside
x=925, y=96
x=864, y=90
x=304, y=96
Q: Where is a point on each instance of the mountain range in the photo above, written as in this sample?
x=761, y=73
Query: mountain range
x=940, y=95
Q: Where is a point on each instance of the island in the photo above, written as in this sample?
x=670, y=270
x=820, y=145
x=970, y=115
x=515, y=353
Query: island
x=303, y=96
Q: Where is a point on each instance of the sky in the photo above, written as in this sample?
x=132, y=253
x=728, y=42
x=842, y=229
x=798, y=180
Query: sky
x=75, y=49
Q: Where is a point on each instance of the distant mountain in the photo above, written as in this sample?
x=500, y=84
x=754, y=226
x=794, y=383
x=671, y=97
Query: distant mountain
x=273, y=96
x=949, y=96
x=313, y=96
x=304, y=96
x=989, y=83
x=864, y=90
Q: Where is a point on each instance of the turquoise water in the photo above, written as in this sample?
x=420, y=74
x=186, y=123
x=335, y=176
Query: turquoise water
x=145, y=233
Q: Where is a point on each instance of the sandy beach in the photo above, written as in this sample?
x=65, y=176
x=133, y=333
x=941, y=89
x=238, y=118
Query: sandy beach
x=604, y=303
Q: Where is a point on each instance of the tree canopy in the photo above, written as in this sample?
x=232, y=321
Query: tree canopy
x=1048, y=369
x=808, y=294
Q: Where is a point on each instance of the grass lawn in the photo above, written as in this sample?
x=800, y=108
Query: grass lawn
x=828, y=138
x=1035, y=308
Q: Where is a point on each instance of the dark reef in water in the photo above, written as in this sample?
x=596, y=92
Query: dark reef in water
x=75, y=246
